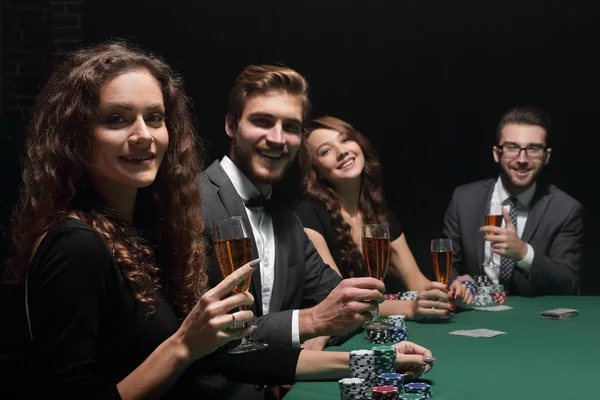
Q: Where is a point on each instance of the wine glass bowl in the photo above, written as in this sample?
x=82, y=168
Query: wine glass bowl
x=233, y=248
x=376, y=252
x=441, y=258
x=493, y=217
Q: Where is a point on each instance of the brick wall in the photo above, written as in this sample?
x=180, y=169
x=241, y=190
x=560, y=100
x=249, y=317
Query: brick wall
x=36, y=33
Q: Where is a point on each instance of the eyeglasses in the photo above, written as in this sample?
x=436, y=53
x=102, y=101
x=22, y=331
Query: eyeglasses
x=513, y=150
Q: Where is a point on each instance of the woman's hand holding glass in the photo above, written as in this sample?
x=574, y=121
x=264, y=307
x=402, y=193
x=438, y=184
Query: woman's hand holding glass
x=210, y=324
x=434, y=301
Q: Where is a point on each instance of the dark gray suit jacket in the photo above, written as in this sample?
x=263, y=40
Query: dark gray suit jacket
x=554, y=229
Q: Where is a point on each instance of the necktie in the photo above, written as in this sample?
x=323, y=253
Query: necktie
x=507, y=265
x=260, y=201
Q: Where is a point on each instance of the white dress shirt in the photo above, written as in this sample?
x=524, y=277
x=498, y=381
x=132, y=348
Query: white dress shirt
x=264, y=236
x=502, y=195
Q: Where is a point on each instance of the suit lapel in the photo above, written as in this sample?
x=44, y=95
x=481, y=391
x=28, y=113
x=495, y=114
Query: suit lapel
x=538, y=206
x=234, y=206
x=281, y=256
x=482, y=204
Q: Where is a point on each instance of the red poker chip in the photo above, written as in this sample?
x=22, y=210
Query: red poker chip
x=385, y=389
x=499, y=297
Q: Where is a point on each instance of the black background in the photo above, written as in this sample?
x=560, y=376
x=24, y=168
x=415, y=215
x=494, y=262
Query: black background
x=426, y=81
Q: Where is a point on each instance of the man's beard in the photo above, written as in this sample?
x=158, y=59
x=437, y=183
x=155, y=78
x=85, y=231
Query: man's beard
x=517, y=186
x=243, y=160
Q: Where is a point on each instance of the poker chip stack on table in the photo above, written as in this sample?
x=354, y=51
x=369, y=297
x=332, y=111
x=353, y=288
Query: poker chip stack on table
x=417, y=390
x=352, y=389
x=385, y=356
x=498, y=294
x=362, y=366
x=488, y=293
x=472, y=286
x=391, y=296
x=372, y=367
x=378, y=335
x=396, y=332
x=385, y=393
x=410, y=295
x=391, y=379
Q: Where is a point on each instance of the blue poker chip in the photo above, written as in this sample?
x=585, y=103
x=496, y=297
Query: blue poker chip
x=417, y=387
x=390, y=375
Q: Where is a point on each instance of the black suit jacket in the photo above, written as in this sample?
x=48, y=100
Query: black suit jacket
x=301, y=280
x=554, y=229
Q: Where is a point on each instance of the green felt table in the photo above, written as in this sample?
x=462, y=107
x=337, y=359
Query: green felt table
x=536, y=358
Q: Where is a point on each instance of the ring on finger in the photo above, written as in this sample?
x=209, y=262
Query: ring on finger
x=233, y=321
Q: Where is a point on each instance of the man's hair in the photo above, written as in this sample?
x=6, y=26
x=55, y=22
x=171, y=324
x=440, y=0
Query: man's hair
x=262, y=78
x=524, y=115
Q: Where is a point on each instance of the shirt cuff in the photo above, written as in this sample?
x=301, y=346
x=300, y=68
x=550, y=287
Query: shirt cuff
x=296, y=328
x=525, y=263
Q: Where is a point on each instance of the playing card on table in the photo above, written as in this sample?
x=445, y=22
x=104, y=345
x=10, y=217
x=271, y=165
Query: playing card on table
x=560, y=313
x=493, y=308
x=488, y=333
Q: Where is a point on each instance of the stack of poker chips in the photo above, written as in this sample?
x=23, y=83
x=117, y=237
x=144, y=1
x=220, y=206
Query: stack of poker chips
x=484, y=291
x=391, y=296
x=498, y=294
x=385, y=393
x=398, y=330
x=410, y=295
x=472, y=286
x=362, y=366
x=396, y=320
x=422, y=390
x=482, y=280
x=378, y=335
x=385, y=357
x=352, y=388
x=391, y=379
x=483, y=296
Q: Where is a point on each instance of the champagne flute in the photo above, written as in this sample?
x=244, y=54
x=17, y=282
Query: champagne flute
x=234, y=249
x=376, y=251
x=441, y=258
x=493, y=217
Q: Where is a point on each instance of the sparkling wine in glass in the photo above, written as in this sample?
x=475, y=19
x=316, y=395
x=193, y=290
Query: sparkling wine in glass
x=441, y=258
x=234, y=250
x=376, y=251
x=493, y=217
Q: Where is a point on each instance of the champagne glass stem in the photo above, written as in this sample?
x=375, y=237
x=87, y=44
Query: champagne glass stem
x=490, y=259
x=245, y=339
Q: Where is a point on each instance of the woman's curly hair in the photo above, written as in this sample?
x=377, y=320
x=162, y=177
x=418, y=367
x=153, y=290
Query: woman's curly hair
x=167, y=248
x=371, y=202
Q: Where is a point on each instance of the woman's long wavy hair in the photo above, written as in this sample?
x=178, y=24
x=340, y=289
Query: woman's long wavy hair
x=169, y=254
x=371, y=203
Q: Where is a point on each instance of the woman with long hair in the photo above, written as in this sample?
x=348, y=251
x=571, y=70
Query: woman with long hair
x=341, y=186
x=109, y=244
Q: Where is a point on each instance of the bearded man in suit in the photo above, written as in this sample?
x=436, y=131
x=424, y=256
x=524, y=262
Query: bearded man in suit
x=537, y=250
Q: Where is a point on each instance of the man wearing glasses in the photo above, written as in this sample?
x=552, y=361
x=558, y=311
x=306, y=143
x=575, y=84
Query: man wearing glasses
x=537, y=248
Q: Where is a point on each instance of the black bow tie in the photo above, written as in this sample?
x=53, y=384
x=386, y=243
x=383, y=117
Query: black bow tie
x=260, y=201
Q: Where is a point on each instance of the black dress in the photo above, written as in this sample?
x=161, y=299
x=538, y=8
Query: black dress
x=314, y=216
x=89, y=333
